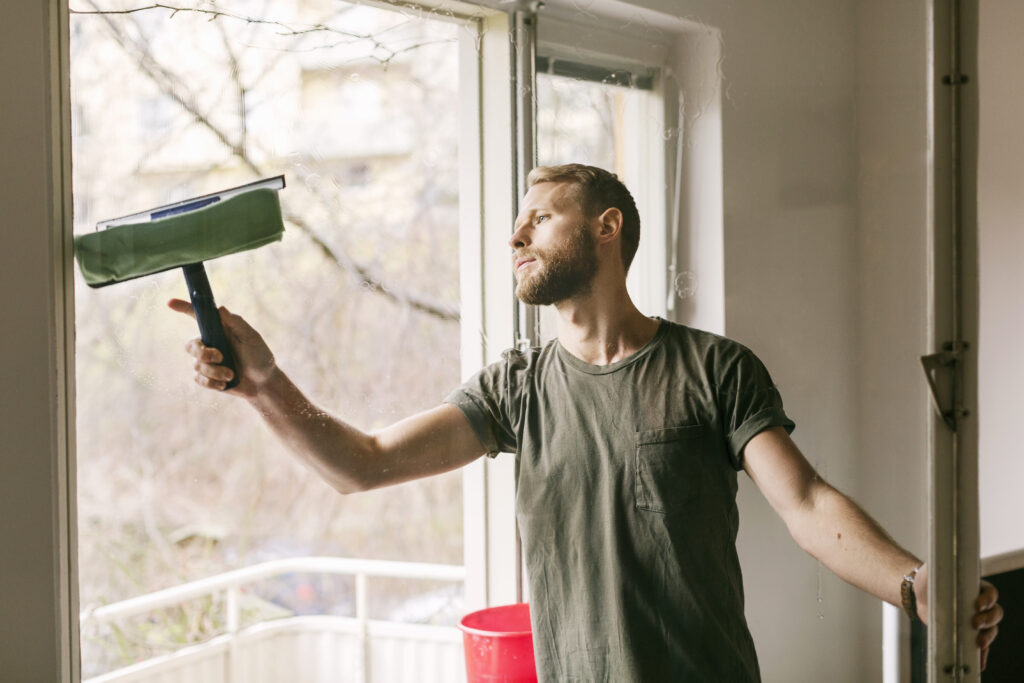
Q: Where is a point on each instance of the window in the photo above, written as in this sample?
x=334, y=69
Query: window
x=393, y=130
x=608, y=117
x=361, y=303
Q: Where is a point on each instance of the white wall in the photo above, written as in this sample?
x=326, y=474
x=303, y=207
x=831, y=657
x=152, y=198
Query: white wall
x=892, y=274
x=822, y=124
x=1001, y=262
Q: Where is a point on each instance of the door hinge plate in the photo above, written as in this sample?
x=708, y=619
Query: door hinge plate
x=933, y=364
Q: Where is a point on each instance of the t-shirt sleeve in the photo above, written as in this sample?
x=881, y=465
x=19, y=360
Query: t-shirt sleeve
x=748, y=401
x=485, y=401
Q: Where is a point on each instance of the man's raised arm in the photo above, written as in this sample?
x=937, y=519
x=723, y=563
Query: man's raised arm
x=434, y=441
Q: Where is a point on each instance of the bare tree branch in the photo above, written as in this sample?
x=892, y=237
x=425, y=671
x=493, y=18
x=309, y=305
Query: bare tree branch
x=287, y=30
x=173, y=87
x=241, y=89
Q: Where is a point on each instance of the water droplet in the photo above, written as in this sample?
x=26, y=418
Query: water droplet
x=821, y=611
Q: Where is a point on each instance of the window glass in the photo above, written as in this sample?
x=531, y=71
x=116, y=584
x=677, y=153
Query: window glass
x=360, y=303
x=580, y=121
x=598, y=124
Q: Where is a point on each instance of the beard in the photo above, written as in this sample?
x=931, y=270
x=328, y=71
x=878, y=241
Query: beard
x=561, y=273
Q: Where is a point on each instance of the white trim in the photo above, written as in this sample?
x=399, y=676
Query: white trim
x=600, y=40
x=443, y=10
x=891, y=651
x=486, y=193
x=697, y=113
x=645, y=158
x=62, y=222
x=1004, y=562
x=474, y=532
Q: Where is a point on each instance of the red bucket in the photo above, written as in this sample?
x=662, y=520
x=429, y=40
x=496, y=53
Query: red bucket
x=499, y=645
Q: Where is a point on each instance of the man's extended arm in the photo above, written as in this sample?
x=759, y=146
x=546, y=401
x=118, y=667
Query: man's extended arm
x=431, y=442
x=840, y=534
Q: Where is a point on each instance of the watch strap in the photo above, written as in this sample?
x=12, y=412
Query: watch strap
x=907, y=595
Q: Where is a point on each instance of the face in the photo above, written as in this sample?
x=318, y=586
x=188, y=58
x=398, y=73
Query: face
x=555, y=254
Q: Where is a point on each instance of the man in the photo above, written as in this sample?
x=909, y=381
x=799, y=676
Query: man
x=628, y=433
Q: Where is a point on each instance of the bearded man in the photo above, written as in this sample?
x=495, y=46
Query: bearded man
x=629, y=432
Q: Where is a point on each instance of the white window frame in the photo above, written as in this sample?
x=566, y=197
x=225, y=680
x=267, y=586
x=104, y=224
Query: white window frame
x=485, y=213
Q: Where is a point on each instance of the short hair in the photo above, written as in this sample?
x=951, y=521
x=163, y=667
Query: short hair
x=597, y=190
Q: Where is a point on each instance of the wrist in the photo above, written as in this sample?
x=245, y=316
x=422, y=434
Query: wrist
x=266, y=384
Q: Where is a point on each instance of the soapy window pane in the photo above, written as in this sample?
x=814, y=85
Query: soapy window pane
x=583, y=122
x=359, y=302
x=580, y=121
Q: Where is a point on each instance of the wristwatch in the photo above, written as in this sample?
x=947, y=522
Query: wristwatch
x=907, y=594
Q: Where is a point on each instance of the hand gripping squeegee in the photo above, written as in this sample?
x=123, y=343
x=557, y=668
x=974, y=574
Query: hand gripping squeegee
x=185, y=234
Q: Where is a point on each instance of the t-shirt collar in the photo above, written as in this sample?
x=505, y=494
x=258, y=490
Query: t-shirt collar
x=591, y=369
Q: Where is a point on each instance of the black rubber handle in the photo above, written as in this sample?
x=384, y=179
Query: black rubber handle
x=210, y=329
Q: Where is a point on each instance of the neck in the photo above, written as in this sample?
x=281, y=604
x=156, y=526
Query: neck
x=603, y=326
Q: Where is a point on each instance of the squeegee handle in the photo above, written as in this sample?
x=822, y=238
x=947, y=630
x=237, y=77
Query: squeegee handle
x=210, y=328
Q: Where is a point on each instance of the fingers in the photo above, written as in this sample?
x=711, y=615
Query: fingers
x=986, y=637
x=988, y=612
x=212, y=376
x=987, y=596
x=209, y=372
x=988, y=618
x=203, y=353
x=985, y=640
x=219, y=373
x=181, y=307
x=210, y=383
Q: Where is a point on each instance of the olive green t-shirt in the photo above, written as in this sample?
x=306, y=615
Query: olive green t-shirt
x=626, y=501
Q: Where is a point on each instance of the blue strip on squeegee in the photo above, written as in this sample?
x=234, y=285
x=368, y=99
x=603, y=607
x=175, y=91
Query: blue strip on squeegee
x=184, y=208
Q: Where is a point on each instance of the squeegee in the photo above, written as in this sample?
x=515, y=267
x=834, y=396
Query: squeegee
x=184, y=235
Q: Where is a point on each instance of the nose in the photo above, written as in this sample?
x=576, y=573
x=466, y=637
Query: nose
x=520, y=237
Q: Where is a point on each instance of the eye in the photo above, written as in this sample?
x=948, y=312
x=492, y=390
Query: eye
x=541, y=218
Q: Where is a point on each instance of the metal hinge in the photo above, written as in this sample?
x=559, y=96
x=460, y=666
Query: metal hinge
x=958, y=672
x=956, y=79
x=948, y=358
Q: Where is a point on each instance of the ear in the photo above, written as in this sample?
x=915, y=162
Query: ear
x=610, y=225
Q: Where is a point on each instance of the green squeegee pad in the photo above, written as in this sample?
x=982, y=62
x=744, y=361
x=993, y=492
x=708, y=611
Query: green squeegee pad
x=123, y=252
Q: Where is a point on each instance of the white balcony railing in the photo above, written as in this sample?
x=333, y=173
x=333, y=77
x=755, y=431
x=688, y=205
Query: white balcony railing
x=309, y=648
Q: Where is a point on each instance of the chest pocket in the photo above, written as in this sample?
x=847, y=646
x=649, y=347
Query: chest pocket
x=668, y=467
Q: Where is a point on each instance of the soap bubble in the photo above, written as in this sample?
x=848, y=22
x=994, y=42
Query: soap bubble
x=583, y=6
x=685, y=284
